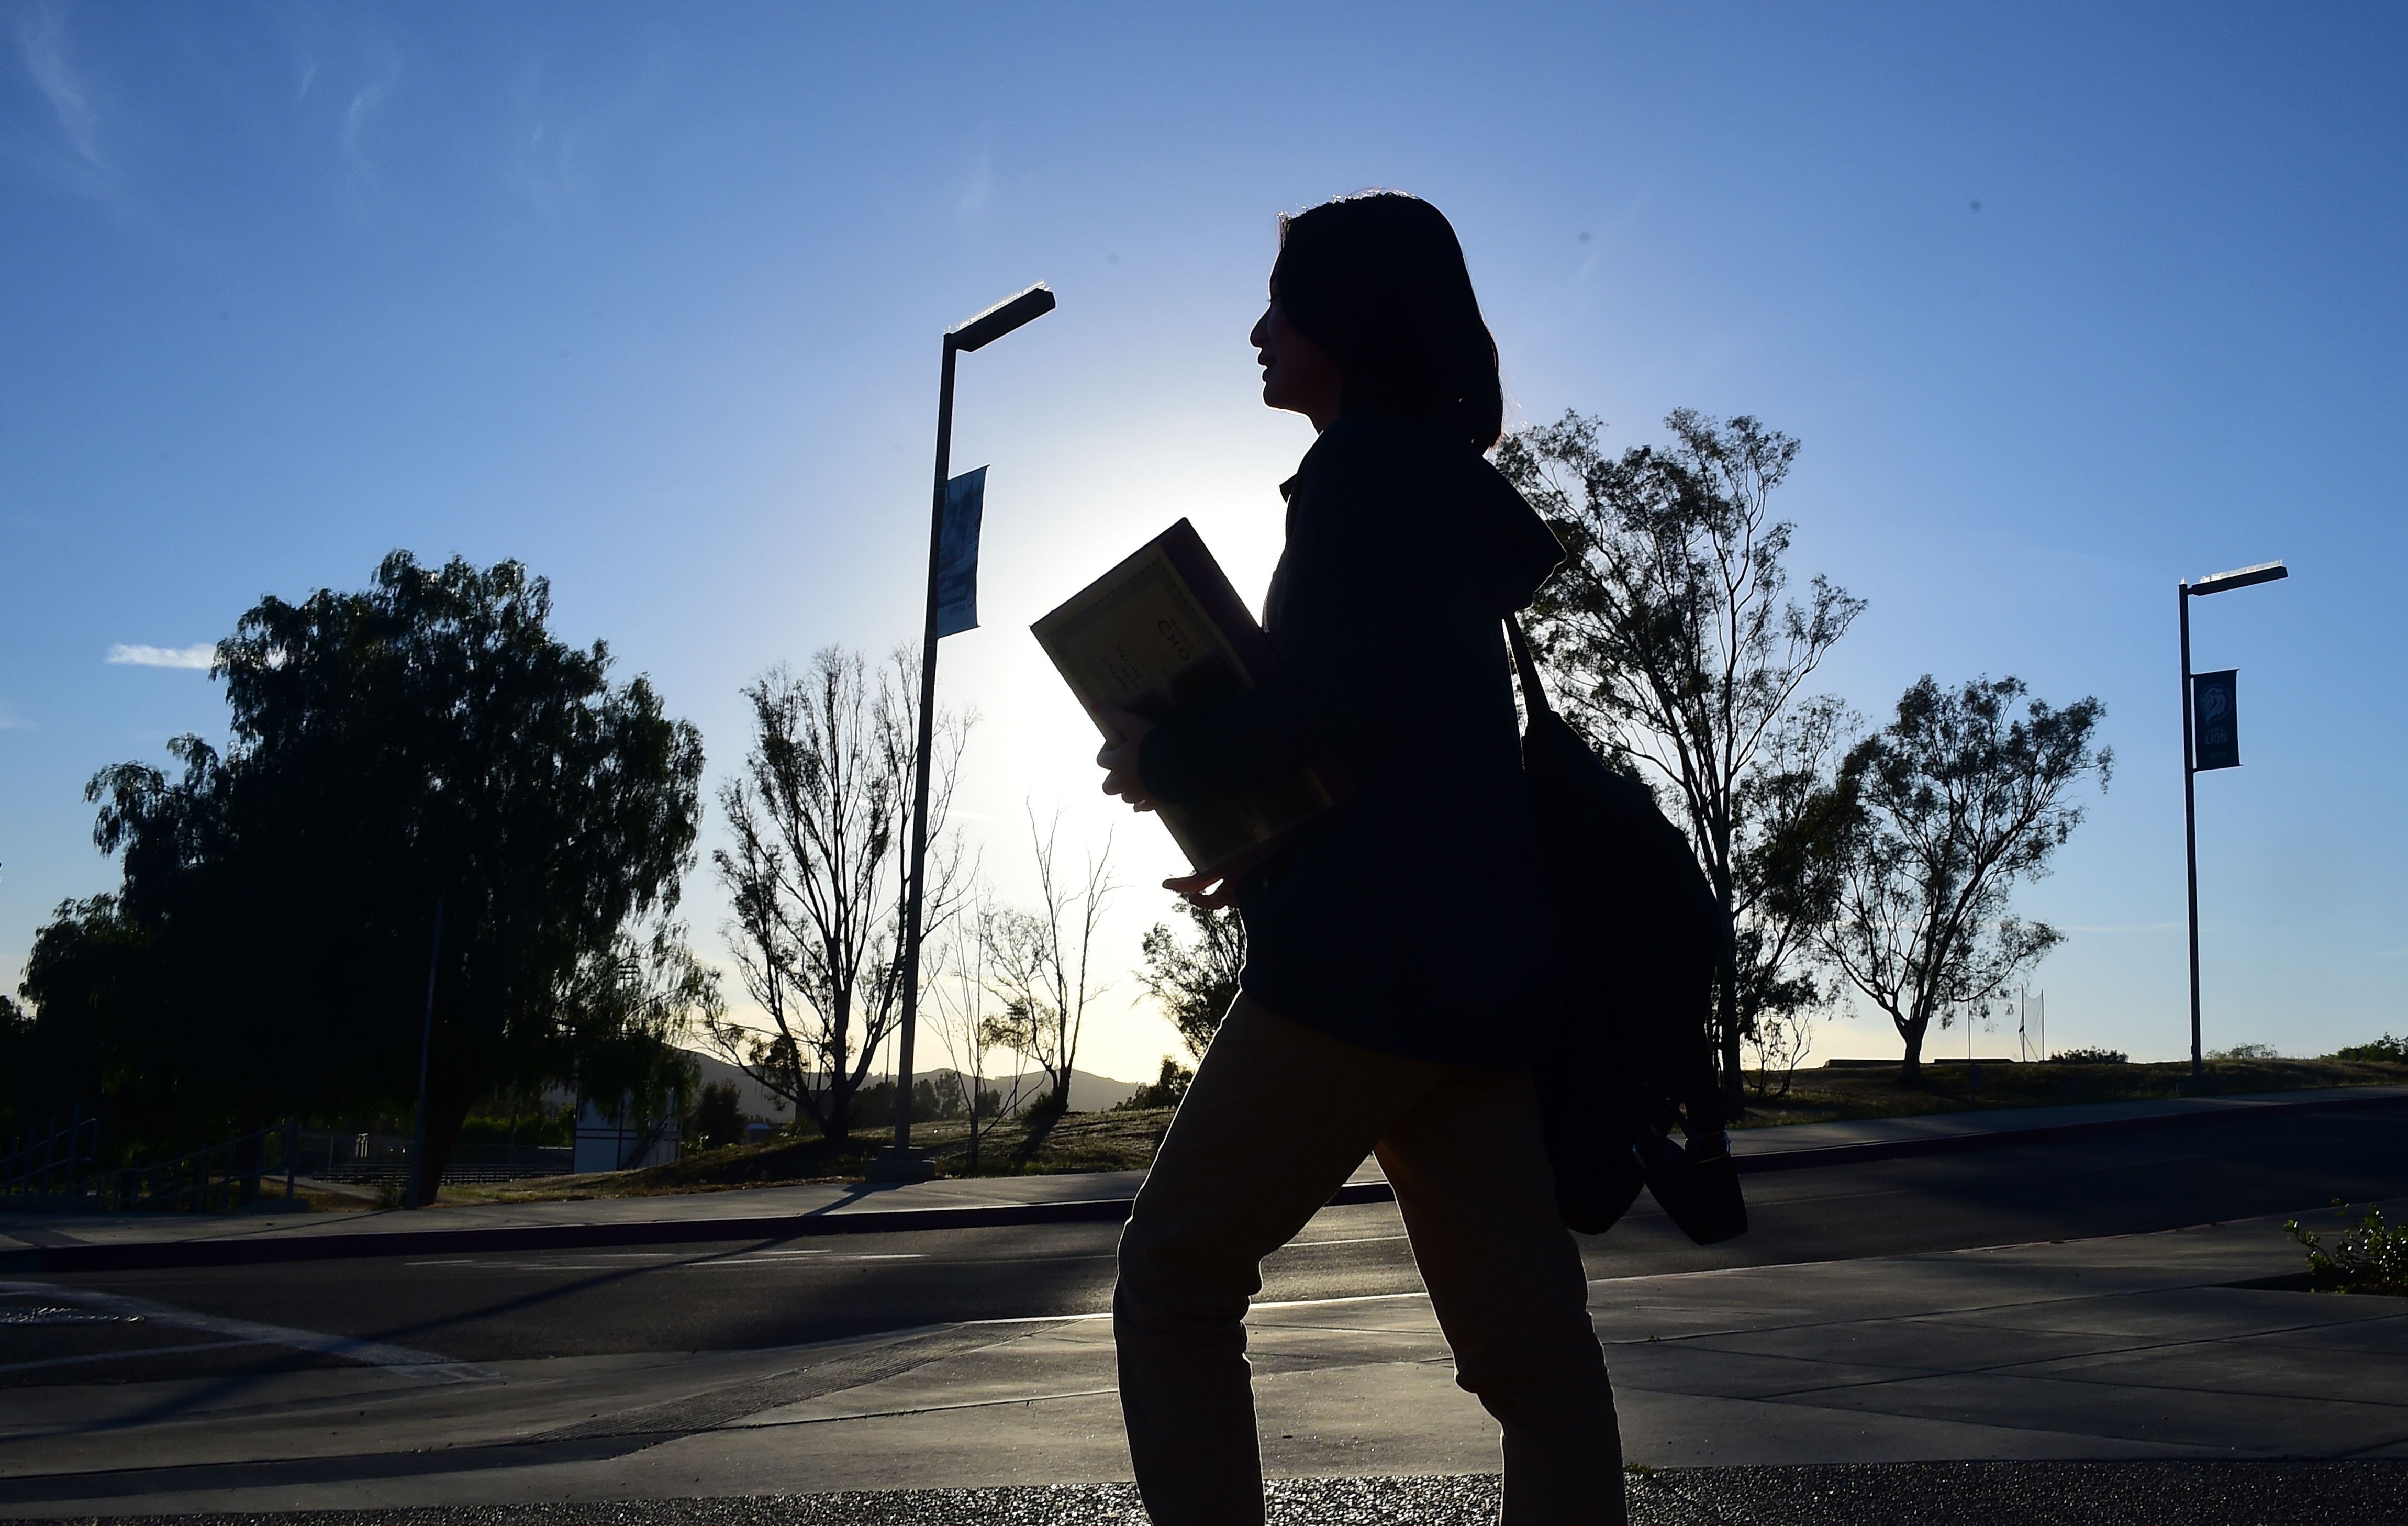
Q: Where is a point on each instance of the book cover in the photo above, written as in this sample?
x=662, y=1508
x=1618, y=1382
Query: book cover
x=1162, y=634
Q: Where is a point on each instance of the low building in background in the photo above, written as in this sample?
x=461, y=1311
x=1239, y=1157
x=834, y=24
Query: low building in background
x=607, y=1143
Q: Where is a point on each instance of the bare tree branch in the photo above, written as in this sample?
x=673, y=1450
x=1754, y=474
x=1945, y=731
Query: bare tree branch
x=820, y=819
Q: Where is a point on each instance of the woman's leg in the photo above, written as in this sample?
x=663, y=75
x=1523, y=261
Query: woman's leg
x=1469, y=1166
x=1276, y=1119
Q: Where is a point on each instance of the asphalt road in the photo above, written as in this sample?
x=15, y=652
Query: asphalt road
x=753, y=1294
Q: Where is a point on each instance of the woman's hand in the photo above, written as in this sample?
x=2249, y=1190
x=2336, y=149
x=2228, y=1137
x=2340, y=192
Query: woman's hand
x=1119, y=762
x=1194, y=889
x=1119, y=759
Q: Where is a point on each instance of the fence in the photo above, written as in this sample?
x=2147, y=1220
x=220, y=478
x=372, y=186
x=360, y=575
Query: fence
x=361, y=1161
x=368, y=1157
x=58, y=1163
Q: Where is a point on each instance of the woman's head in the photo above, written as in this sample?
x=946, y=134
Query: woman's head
x=1377, y=284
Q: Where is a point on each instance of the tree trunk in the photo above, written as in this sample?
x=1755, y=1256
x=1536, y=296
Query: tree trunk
x=254, y=1164
x=1727, y=1021
x=1910, y=1071
x=807, y=1103
x=445, y=1113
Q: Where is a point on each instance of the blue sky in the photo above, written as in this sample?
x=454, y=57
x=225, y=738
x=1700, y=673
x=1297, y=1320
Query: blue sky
x=2065, y=303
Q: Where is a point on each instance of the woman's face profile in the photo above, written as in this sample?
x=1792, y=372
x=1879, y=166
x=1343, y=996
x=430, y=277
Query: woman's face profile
x=1298, y=374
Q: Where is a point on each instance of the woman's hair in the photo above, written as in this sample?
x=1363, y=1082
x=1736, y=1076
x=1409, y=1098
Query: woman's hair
x=1378, y=281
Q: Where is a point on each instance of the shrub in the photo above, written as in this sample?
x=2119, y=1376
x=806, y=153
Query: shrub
x=1162, y=1091
x=718, y=1116
x=2385, y=1050
x=2091, y=1057
x=2246, y=1051
x=2372, y=1258
x=936, y=1098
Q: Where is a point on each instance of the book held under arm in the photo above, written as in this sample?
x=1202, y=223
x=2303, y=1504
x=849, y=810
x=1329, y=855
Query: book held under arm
x=1162, y=635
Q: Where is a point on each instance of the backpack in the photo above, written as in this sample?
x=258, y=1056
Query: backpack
x=1638, y=930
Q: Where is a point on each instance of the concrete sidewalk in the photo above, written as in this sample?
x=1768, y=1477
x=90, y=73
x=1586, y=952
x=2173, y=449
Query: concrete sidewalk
x=33, y=1244
x=2133, y=1347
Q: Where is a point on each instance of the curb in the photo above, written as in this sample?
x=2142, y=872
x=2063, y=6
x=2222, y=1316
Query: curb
x=157, y=1255
x=1899, y=1149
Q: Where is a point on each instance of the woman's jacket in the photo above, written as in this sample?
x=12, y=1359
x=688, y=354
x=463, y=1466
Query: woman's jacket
x=1415, y=917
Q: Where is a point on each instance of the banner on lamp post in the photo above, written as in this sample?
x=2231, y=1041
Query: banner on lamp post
x=2215, y=739
x=957, y=550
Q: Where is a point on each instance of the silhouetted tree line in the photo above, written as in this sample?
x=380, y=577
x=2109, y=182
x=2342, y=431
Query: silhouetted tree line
x=429, y=741
x=934, y=1099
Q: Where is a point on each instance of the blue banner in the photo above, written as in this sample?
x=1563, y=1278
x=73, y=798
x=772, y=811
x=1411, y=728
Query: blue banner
x=2215, y=741
x=957, y=548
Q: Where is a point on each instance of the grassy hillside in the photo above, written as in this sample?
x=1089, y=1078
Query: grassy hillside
x=1110, y=1141
x=1818, y=1096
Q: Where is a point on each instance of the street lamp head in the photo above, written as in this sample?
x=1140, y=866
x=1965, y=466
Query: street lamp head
x=2239, y=578
x=1001, y=319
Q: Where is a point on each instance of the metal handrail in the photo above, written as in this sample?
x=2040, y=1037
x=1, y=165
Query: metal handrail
x=18, y=1168
x=196, y=1183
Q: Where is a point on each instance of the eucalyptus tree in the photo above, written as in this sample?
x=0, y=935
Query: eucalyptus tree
x=1196, y=981
x=1948, y=807
x=1680, y=650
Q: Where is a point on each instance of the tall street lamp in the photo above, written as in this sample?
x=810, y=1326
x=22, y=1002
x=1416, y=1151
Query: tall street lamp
x=2210, y=740
x=900, y=1164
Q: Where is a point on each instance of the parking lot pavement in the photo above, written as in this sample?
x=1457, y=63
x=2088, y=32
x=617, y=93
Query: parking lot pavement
x=2126, y=1347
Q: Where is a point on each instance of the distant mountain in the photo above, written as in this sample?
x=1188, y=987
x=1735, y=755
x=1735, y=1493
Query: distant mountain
x=1088, y=1093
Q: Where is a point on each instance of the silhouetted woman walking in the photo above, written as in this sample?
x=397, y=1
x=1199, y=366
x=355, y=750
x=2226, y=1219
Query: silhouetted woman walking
x=1392, y=999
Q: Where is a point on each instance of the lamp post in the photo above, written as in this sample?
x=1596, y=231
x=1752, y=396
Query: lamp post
x=900, y=1164
x=2184, y=593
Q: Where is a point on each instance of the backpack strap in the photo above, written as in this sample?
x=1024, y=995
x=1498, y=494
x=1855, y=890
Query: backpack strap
x=1534, y=691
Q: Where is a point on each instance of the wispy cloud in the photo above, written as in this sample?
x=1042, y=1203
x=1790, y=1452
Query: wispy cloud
x=563, y=142
x=131, y=655
x=11, y=721
x=39, y=32
x=358, y=182
x=978, y=187
x=348, y=76
x=365, y=100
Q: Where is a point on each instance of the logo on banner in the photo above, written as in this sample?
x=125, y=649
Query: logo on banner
x=2215, y=742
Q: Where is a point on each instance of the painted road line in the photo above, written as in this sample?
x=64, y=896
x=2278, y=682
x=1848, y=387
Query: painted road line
x=124, y=1356
x=416, y=1366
